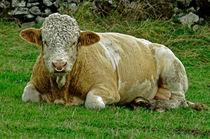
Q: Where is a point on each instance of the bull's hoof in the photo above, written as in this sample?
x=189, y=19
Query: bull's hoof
x=140, y=102
x=160, y=106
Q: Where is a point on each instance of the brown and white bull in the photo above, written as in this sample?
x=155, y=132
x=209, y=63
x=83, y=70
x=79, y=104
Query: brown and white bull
x=98, y=69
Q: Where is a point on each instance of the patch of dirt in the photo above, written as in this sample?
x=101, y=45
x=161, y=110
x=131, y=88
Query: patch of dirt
x=193, y=132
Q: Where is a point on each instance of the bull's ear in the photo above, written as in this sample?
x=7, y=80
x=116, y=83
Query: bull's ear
x=88, y=38
x=32, y=35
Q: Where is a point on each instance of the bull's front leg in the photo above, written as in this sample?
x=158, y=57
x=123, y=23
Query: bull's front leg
x=31, y=94
x=98, y=98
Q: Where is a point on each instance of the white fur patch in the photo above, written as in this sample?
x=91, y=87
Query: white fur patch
x=111, y=51
x=61, y=81
x=31, y=94
x=165, y=59
x=94, y=102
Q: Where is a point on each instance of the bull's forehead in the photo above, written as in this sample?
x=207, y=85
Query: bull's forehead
x=60, y=29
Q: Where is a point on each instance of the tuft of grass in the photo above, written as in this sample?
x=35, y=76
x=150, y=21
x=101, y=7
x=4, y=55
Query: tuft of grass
x=41, y=120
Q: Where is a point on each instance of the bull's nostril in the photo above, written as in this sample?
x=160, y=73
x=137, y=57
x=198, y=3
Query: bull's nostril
x=59, y=66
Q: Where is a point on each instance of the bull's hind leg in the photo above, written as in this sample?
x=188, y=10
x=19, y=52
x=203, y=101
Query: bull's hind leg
x=174, y=79
x=31, y=94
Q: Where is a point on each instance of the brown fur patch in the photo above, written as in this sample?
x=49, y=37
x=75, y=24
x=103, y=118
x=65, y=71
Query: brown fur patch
x=88, y=38
x=32, y=35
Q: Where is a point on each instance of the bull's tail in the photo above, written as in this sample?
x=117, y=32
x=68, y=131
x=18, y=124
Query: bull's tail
x=197, y=106
x=163, y=105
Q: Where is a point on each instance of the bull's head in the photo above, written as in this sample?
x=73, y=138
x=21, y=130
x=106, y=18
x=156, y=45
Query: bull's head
x=59, y=38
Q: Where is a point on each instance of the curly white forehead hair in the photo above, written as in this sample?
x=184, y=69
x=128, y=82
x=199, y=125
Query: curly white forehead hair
x=60, y=27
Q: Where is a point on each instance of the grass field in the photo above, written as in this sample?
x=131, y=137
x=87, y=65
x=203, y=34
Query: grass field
x=32, y=120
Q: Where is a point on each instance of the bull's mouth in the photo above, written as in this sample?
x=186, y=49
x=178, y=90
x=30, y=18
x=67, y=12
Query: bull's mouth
x=60, y=70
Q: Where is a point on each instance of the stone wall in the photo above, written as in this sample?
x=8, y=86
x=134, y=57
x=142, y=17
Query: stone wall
x=30, y=10
x=188, y=12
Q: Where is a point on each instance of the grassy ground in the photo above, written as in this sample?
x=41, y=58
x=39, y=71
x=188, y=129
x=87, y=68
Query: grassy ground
x=21, y=120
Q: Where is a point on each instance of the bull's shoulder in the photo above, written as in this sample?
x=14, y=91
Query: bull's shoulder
x=40, y=75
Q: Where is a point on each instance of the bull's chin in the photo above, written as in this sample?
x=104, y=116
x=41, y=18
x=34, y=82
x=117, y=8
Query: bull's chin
x=59, y=73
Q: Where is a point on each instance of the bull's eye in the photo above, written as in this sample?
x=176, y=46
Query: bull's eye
x=45, y=43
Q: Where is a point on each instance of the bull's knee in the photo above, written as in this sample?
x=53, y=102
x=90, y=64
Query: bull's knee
x=31, y=94
x=94, y=102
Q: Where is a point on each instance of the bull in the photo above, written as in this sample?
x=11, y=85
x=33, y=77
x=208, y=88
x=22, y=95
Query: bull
x=98, y=69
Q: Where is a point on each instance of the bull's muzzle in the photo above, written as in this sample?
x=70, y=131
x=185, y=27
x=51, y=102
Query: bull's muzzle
x=59, y=66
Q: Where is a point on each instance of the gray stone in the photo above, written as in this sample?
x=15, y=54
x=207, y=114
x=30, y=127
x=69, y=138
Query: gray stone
x=107, y=1
x=39, y=19
x=133, y=5
x=191, y=9
x=28, y=24
x=4, y=4
x=180, y=14
x=47, y=3
x=47, y=12
x=18, y=3
x=29, y=16
x=60, y=10
x=125, y=3
x=33, y=0
x=57, y=3
x=73, y=6
x=19, y=11
x=177, y=10
x=76, y=1
x=32, y=4
x=195, y=28
x=184, y=3
x=104, y=6
x=201, y=21
x=189, y=19
x=35, y=10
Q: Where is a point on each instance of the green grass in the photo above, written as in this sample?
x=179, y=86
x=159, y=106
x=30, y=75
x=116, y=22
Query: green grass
x=27, y=120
